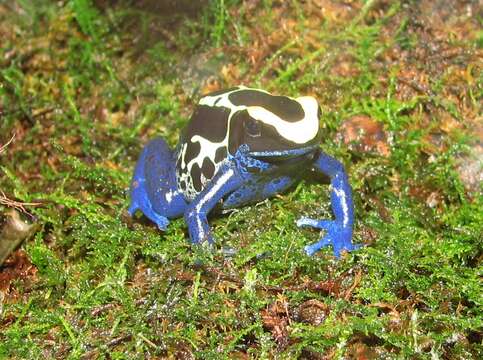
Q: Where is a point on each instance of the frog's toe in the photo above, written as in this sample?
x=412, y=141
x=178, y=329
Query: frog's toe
x=346, y=247
x=161, y=221
x=318, y=224
x=337, y=235
x=313, y=248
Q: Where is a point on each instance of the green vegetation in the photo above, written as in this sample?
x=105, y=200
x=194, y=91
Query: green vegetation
x=84, y=85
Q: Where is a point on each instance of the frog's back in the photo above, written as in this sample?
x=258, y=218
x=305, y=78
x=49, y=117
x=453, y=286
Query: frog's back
x=203, y=146
x=218, y=125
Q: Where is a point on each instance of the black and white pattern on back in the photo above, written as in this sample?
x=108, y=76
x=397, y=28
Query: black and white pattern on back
x=203, y=146
x=204, y=142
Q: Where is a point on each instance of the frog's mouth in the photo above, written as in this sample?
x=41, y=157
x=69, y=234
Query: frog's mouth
x=284, y=156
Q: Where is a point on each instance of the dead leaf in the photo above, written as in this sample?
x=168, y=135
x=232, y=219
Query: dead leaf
x=14, y=231
x=275, y=319
x=313, y=312
x=17, y=266
x=363, y=134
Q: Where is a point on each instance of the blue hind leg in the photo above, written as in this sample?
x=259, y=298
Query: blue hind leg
x=338, y=231
x=153, y=186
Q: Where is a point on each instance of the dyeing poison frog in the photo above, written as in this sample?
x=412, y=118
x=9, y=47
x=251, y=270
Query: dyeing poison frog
x=241, y=146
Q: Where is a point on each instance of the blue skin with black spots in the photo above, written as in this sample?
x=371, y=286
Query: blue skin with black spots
x=243, y=178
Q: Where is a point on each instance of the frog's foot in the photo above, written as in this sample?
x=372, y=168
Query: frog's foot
x=338, y=235
x=161, y=221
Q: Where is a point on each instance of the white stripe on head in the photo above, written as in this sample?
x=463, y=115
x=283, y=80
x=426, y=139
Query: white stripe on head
x=299, y=132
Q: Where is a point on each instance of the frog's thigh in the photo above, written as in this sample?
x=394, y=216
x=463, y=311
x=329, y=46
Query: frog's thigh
x=161, y=184
x=277, y=185
x=153, y=188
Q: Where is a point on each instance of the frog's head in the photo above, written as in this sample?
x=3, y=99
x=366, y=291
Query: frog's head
x=275, y=128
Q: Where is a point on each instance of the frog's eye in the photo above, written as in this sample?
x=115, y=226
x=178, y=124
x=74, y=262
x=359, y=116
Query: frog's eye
x=253, y=128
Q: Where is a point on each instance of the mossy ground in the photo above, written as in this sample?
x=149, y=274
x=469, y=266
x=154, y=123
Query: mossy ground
x=83, y=85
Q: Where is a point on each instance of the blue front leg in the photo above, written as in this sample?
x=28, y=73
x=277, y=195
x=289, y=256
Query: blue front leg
x=338, y=231
x=226, y=180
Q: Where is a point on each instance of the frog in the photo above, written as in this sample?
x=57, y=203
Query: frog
x=241, y=146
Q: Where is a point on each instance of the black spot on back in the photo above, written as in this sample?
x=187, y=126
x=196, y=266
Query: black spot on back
x=208, y=122
x=196, y=177
x=192, y=151
x=208, y=168
x=282, y=106
x=219, y=92
x=220, y=154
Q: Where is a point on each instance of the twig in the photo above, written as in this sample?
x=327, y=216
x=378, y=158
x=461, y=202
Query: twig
x=3, y=147
x=30, y=116
x=43, y=112
x=415, y=86
x=357, y=280
x=114, y=342
x=364, y=11
x=4, y=200
x=147, y=341
x=102, y=308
